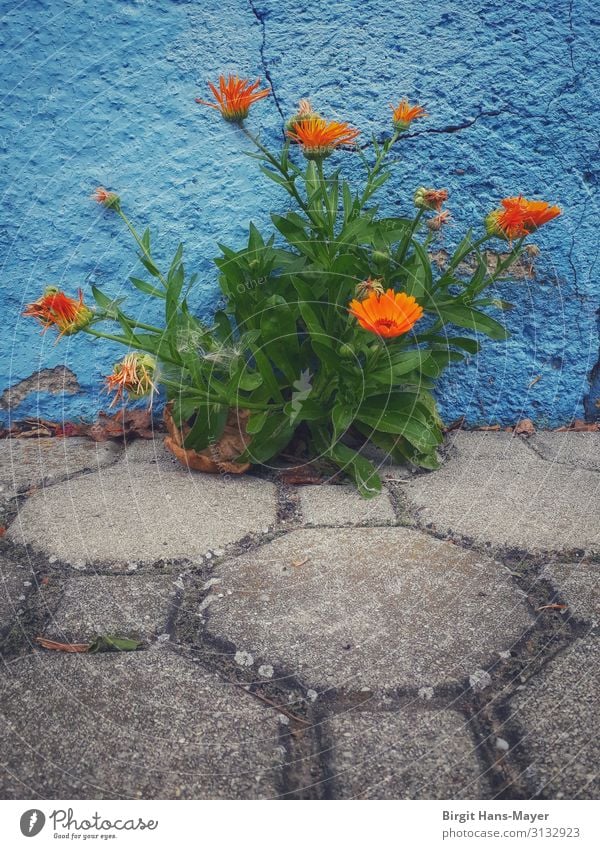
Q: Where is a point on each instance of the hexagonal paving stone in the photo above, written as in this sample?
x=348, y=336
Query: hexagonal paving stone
x=558, y=713
x=404, y=754
x=343, y=505
x=579, y=585
x=135, y=606
x=371, y=606
x=496, y=490
x=25, y=463
x=134, y=725
x=143, y=510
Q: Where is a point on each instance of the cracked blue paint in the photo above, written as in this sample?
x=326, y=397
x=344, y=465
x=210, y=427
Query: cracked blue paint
x=103, y=94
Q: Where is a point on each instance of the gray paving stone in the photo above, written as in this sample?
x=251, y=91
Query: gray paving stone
x=134, y=725
x=343, y=505
x=403, y=755
x=579, y=585
x=558, y=712
x=496, y=490
x=26, y=463
x=139, y=510
x=15, y=583
x=371, y=606
x=128, y=606
x=571, y=448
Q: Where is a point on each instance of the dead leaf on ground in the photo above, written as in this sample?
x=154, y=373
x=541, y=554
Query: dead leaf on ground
x=580, y=426
x=218, y=458
x=301, y=476
x=525, y=427
x=552, y=607
x=56, y=646
x=298, y=563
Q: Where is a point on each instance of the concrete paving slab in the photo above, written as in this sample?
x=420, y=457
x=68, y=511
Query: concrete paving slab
x=405, y=754
x=571, y=448
x=343, y=505
x=495, y=490
x=134, y=606
x=15, y=583
x=381, y=607
x=141, y=512
x=579, y=585
x=148, y=725
x=27, y=463
x=558, y=713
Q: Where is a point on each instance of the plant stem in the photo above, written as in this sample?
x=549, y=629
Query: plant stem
x=140, y=244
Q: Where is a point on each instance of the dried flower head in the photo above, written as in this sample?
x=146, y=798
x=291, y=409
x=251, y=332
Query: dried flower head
x=305, y=111
x=106, y=198
x=56, y=309
x=430, y=198
x=234, y=97
x=438, y=221
x=405, y=114
x=319, y=138
x=388, y=315
x=134, y=375
x=365, y=287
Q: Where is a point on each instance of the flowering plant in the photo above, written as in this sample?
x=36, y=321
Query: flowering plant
x=337, y=324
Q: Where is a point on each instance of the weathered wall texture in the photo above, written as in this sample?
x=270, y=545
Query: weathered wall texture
x=103, y=93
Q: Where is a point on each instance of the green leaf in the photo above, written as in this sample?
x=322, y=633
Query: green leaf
x=361, y=470
x=272, y=438
x=104, y=644
x=208, y=427
x=147, y=288
x=149, y=266
x=464, y=316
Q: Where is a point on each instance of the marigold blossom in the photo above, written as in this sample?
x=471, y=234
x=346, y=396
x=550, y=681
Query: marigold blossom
x=234, y=97
x=519, y=217
x=56, y=309
x=388, y=315
x=134, y=375
x=319, y=137
x=106, y=198
x=405, y=114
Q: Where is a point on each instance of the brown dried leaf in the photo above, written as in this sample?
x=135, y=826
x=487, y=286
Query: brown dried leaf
x=525, y=426
x=218, y=458
x=68, y=647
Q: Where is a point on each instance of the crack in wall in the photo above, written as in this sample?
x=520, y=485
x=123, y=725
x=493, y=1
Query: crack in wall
x=261, y=18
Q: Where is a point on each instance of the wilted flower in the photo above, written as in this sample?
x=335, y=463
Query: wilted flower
x=405, y=114
x=519, y=217
x=55, y=308
x=305, y=111
x=439, y=220
x=319, y=137
x=106, y=198
x=134, y=375
x=389, y=315
x=234, y=97
x=430, y=198
x=365, y=287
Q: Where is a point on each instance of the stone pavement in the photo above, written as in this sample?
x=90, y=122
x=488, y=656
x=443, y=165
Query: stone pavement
x=440, y=641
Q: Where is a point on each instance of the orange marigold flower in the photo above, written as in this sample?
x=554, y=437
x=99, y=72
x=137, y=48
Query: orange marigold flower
x=430, y=198
x=234, y=97
x=106, y=198
x=55, y=308
x=319, y=137
x=388, y=315
x=134, y=375
x=405, y=114
x=519, y=217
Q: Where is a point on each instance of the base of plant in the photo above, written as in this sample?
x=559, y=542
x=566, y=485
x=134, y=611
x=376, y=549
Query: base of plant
x=219, y=457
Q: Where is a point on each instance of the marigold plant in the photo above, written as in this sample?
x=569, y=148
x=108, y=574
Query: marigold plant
x=336, y=325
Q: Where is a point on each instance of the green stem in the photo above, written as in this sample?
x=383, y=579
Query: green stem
x=140, y=244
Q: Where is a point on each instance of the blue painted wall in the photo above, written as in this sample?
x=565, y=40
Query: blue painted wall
x=103, y=94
